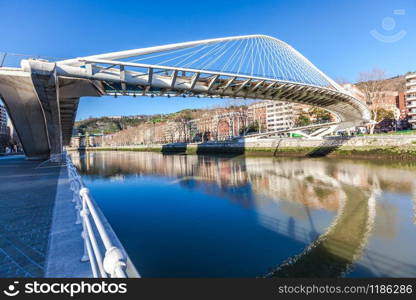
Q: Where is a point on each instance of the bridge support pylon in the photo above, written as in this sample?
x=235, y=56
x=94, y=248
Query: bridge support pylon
x=46, y=85
x=42, y=106
x=26, y=110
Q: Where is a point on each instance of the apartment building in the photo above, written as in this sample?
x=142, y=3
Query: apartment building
x=403, y=111
x=279, y=115
x=3, y=121
x=411, y=97
x=230, y=124
x=273, y=115
x=401, y=104
x=256, y=113
x=4, y=129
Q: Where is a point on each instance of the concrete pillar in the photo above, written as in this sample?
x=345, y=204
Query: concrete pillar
x=47, y=89
x=25, y=111
x=32, y=101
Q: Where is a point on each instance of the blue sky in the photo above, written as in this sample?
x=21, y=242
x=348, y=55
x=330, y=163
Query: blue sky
x=334, y=35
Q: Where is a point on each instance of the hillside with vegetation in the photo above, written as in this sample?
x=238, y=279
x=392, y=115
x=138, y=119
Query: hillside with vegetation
x=397, y=83
x=108, y=125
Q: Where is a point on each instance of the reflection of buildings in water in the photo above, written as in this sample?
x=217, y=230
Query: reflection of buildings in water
x=295, y=187
x=310, y=190
x=314, y=183
x=303, y=228
x=117, y=177
x=414, y=201
x=298, y=187
x=275, y=181
x=386, y=221
x=110, y=163
x=241, y=194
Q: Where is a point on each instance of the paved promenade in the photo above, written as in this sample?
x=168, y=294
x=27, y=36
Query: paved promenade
x=38, y=235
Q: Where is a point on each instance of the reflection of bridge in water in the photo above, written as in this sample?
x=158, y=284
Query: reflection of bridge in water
x=340, y=246
x=300, y=186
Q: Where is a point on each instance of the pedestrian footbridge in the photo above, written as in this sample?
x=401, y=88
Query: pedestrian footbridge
x=42, y=96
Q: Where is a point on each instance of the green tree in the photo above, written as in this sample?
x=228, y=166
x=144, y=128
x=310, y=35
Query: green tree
x=321, y=114
x=252, y=127
x=303, y=120
x=383, y=114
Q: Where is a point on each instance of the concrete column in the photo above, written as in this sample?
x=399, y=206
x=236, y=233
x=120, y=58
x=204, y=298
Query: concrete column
x=25, y=111
x=32, y=101
x=47, y=89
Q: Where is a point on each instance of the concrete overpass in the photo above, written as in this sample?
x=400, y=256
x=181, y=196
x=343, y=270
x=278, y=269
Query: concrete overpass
x=42, y=96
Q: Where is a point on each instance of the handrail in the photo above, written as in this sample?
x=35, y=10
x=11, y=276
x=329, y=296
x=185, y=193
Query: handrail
x=8, y=59
x=114, y=262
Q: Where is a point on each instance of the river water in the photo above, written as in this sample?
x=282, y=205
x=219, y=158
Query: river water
x=213, y=216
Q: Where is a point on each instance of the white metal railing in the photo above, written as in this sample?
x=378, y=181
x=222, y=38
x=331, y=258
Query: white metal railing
x=113, y=262
x=13, y=59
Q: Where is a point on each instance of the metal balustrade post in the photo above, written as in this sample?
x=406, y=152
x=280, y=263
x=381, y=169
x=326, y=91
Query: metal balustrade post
x=85, y=256
x=87, y=247
x=3, y=59
x=113, y=262
x=78, y=208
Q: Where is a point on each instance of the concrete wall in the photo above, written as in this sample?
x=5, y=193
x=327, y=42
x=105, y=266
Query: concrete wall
x=392, y=147
x=360, y=141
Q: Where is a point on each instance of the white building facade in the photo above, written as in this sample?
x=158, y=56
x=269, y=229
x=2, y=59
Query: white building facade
x=411, y=97
x=280, y=115
x=3, y=121
x=273, y=115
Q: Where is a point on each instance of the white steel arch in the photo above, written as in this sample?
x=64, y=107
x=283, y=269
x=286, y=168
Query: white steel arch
x=246, y=67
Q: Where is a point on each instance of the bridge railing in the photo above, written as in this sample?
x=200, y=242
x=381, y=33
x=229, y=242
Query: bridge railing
x=12, y=60
x=111, y=263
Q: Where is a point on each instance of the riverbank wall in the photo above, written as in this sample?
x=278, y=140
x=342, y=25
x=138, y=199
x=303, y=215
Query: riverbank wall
x=378, y=146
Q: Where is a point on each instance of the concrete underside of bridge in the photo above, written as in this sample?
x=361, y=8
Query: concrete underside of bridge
x=43, y=123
